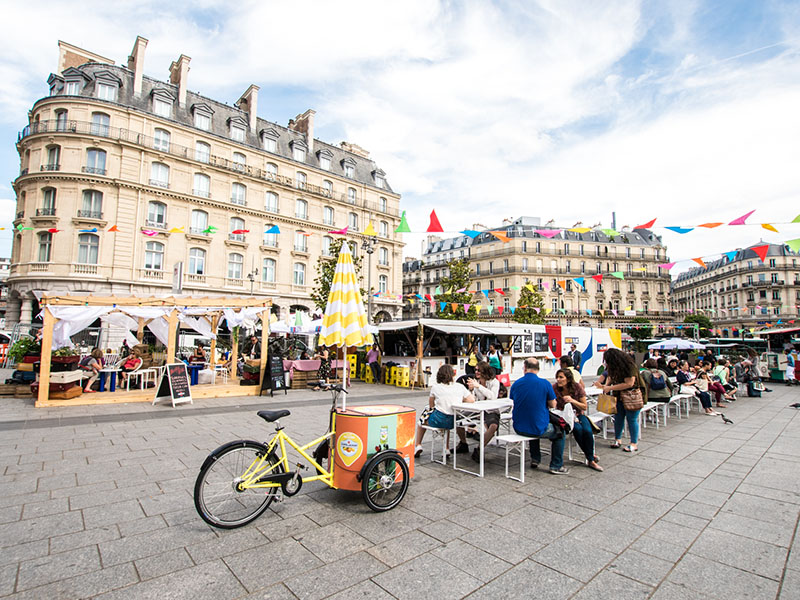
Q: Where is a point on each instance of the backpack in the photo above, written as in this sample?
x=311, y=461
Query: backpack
x=657, y=381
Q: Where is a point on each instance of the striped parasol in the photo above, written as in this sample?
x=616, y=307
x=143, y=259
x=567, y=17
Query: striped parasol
x=345, y=320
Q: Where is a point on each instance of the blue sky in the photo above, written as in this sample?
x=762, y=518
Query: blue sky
x=685, y=111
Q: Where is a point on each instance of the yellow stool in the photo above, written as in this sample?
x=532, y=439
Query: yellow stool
x=361, y=373
x=390, y=375
x=403, y=377
x=368, y=375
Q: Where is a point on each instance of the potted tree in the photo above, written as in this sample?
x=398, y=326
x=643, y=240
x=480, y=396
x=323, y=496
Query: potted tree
x=25, y=348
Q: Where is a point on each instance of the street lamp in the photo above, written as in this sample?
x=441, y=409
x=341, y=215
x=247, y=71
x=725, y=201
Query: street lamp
x=252, y=277
x=368, y=246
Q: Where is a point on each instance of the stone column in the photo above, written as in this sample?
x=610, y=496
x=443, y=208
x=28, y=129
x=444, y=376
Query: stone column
x=26, y=310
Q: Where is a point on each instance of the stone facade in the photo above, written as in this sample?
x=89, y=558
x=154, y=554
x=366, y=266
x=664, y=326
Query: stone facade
x=177, y=174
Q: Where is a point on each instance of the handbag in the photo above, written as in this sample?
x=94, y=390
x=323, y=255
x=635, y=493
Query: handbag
x=607, y=404
x=632, y=398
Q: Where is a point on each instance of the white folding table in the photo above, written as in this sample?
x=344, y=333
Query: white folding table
x=472, y=413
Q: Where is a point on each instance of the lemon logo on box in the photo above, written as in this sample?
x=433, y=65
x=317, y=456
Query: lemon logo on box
x=350, y=447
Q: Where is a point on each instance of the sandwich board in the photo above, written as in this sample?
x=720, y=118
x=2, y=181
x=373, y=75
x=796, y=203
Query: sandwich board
x=174, y=385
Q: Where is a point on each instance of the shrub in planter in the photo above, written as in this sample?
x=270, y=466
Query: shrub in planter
x=24, y=347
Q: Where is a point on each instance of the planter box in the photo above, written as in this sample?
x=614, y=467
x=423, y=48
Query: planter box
x=31, y=358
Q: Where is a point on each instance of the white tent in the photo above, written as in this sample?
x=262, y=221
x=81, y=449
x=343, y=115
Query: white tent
x=676, y=344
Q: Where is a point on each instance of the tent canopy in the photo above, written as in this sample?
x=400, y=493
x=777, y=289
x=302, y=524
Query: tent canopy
x=676, y=344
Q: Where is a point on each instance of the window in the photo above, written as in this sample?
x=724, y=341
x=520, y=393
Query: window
x=161, y=140
x=772, y=262
x=199, y=221
x=580, y=249
x=48, y=202
x=353, y=249
x=380, y=181
x=327, y=215
x=88, y=246
x=271, y=171
x=271, y=202
x=156, y=214
x=774, y=278
x=627, y=252
x=73, y=88
x=538, y=247
x=236, y=224
x=351, y=195
x=327, y=186
x=583, y=267
x=491, y=268
x=45, y=245
x=524, y=264
x=382, y=205
x=478, y=269
x=383, y=284
x=524, y=246
x=566, y=249
x=299, y=274
x=383, y=257
x=239, y=161
x=53, y=158
x=162, y=107
x=301, y=180
x=202, y=120
x=491, y=284
x=300, y=242
x=349, y=171
x=91, y=205
x=569, y=266
x=298, y=152
x=352, y=222
x=154, y=256
x=202, y=152
x=202, y=185
x=270, y=144
x=325, y=162
x=159, y=175
x=271, y=239
x=95, y=161
x=197, y=261
x=61, y=120
x=268, y=270
x=235, y=266
x=238, y=194
x=326, y=245
x=237, y=133
x=384, y=230
x=301, y=209
x=106, y=91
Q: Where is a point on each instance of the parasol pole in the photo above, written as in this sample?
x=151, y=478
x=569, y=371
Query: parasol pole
x=344, y=385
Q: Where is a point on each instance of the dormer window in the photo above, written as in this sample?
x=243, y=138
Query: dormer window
x=238, y=128
x=325, y=157
x=162, y=103
x=202, y=114
x=349, y=167
x=72, y=88
x=56, y=84
x=299, y=149
x=269, y=140
x=106, y=85
x=380, y=178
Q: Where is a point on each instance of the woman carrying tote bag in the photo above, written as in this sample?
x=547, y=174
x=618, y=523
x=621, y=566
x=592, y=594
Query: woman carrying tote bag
x=623, y=382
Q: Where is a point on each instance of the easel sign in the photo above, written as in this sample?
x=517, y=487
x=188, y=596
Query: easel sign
x=174, y=385
x=274, y=376
x=414, y=371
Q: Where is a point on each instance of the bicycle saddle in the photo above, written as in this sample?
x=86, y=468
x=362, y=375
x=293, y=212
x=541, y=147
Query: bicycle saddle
x=273, y=415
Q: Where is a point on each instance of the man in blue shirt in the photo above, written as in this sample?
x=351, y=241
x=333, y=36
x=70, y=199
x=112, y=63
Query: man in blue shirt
x=533, y=397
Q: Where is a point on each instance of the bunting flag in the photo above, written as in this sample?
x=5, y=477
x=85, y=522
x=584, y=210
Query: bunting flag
x=530, y=287
x=794, y=245
x=176, y=230
x=53, y=230
x=761, y=251
x=305, y=233
x=537, y=309
x=579, y=281
x=589, y=310
x=769, y=227
x=548, y=233
x=512, y=309
x=113, y=228
x=741, y=220
x=562, y=283
x=461, y=291
x=680, y=229
x=273, y=229
x=500, y=310
x=340, y=231
x=647, y=225
x=435, y=226
x=666, y=266
x=370, y=230
x=598, y=278
x=610, y=232
x=710, y=225
x=21, y=228
x=547, y=311
x=149, y=232
x=581, y=229
x=466, y=307
x=618, y=274
x=486, y=293
x=243, y=231
x=490, y=308
x=614, y=312
x=731, y=255
x=403, y=226
x=454, y=306
x=209, y=229
x=699, y=261
x=546, y=285
x=442, y=305
x=471, y=233
x=92, y=230
x=500, y=235
x=500, y=291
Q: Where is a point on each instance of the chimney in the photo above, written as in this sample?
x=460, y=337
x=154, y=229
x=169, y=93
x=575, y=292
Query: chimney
x=179, y=75
x=136, y=63
x=249, y=102
x=305, y=124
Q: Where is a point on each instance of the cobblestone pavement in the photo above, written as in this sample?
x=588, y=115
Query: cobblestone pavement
x=96, y=502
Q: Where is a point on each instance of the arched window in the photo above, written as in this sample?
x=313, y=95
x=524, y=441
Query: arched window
x=383, y=284
x=235, y=266
x=197, y=261
x=299, y=274
x=326, y=245
x=61, y=120
x=352, y=222
x=327, y=187
x=161, y=139
x=239, y=161
x=159, y=175
x=351, y=195
x=154, y=256
x=327, y=215
x=156, y=214
x=95, y=161
x=353, y=249
x=91, y=205
x=384, y=229
x=268, y=270
x=271, y=202
x=300, y=242
x=199, y=221
x=202, y=152
x=45, y=245
x=236, y=224
x=382, y=204
x=383, y=257
x=301, y=209
x=270, y=239
x=100, y=124
x=271, y=171
x=202, y=185
x=301, y=180
x=238, y=194
x=88, y=248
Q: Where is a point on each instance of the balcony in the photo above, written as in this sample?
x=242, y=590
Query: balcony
x=90, y=214
x=84, y=269
x=94, y=170
x=234, y=282
x=239, y=201
x=151, y=274
x=51, y=167
x=202, y=193
x=236, y=237
x=195, y=278
x=39, y=267
x=46, y=212
x=160, y=184
x=272, y=209
x=154, y=224
x=199, y=231
x=300, y=248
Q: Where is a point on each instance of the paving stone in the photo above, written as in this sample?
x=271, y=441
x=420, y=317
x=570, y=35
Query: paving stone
x=404, y=547
x=608, y=534
x=771, y=533
x=46, y=569
x=87, y=585
x=511, y=547
x=685, y=520
x=444, y=530
x=40, y=528
x=113, y=495
x=762, y=509
x=21, y=499
x=529, y=579
x=228, y=542
x=671, y=591
x=720, y=581
x=8, y=579
x=707, y=496
x=612, y=586
x=538, y=523
x=574, y=558
x=366, y=590
x=148, y=544
x=563, y=507
x=377, y=527
x=333, y=542
x=55, y=482
x=641, y=567
x=772, y=494
x=163, y=564
x=97, y=516
x=80, y=539
x=9, y=514
x=157, y=504
x=275, y=592
x=743, y=553
x=790, y=586
x=335, y=577
x=294, y=560
x=128, y=528
x=427, y=576
x=472, y=559
x=276, y=528
x=42, y=509
x=25, y=551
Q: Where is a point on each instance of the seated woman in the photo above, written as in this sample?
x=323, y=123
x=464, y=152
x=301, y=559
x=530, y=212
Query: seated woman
x=444, y=393
x=485, y=387
x=92, y=364
x=656, y=382
x=702, y=384
x=133, y=362
x=569, y=391
x=199, y=355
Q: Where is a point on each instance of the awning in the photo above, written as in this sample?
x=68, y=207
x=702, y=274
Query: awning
x=777, y=331
x=459, y=329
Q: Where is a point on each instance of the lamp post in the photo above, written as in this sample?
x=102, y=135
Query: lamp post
x=560, y=304
x=252, y=277
x=368, y=245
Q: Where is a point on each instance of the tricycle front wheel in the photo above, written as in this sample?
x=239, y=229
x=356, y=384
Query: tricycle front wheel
x=385, y=481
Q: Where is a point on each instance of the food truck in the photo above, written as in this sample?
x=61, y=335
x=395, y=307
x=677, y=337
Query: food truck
x=426, y=344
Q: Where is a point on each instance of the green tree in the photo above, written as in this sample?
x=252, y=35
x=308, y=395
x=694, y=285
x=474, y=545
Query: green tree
x=703, y=321
x=326, y=266
x=457, y=279
x=640, y=332
x=529, y=299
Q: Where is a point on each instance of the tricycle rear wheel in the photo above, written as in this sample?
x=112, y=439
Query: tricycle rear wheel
x=385, y=481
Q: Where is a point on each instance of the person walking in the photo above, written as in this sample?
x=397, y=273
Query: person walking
x=576, y=357
x=374, y=362
x=495, y=359
x=533, y=398
x=623, y=376
x=569, y=391
x=789, y=372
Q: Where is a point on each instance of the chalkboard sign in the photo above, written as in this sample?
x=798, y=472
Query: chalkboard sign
x=174, y=385
x=274, y=376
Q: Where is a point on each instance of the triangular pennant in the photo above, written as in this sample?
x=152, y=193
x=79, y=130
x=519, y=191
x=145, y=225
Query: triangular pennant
x=769, y=227
x=548, y=233
x=500, y=310
x=113, y=228
x=449, y=290
x=500, y=291
x=149, y=232
x=547, y=311
x=53, y=230
x=340, y=231
x=466, y=307
x=680, y=229
x=589, y=310
x=435, y=226
x=562, y=311
x=614, y=312
x=454, y=306
x=580, y=229
x=512, y=309
x=741, y=220
x=403, y=227
x=666, y=266
x=579, y=281
x=176, y=230
x=647, y=225
x=731, y=255
x=618, y=274
x=471, y=233
x=438, y=290
x=490, y=308
x=370, y=230
x=209, y=229
x=598, y=278
x=537, y=309
x=710, y=225
x=273, y=229
x=500, y=235
x=699, y=261
x=761, y=251
x=794, y=245
x=530, y=287
x=562, y=283
x=442, y=305
x=461, y=290
x=92, y=230
x=546, y=285
x=610, y=232
x=486, y=293
x=242, y=231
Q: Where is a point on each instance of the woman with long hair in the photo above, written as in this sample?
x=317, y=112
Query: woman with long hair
x=324, y=371
x=622, y=375
x=485, y=387
x=444, y=393
x=569, y=391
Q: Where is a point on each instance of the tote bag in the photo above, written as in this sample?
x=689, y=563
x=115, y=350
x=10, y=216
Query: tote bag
x=607, y=404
